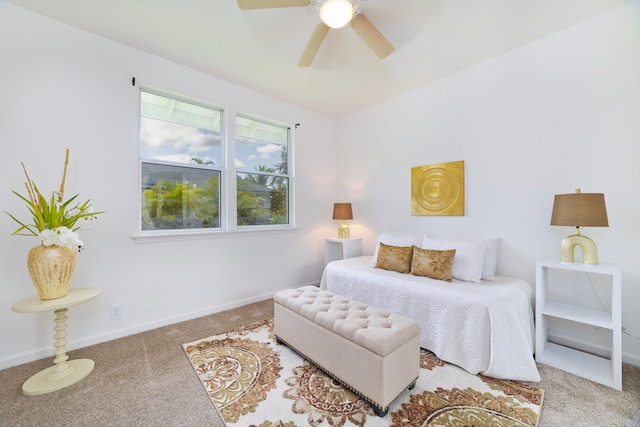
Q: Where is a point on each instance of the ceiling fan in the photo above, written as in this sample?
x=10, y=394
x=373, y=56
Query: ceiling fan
x=333, y=14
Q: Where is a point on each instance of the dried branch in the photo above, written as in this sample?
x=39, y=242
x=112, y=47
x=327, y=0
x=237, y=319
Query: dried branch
x=64, y=176
x=29, y=185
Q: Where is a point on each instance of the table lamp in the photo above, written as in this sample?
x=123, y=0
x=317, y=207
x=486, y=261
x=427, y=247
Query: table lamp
x=579, y=210
x=343, y=211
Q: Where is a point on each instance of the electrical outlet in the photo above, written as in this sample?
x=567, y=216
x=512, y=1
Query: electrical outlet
x=115, y=311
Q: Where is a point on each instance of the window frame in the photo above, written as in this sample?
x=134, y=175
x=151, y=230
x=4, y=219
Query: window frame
x=228, y=177
x=289, y=175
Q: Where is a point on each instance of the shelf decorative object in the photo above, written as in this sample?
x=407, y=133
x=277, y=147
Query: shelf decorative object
x=55, y=222
x=51, y=269
x=579, y=210
x=343, y=212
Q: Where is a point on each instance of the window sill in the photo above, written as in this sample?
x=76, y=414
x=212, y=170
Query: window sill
x=203, y=235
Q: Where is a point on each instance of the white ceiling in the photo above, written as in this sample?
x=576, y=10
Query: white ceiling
x=260, y=49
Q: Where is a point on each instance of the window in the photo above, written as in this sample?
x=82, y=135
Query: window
x=187, y=184
x=180, y=149
x=263, y=177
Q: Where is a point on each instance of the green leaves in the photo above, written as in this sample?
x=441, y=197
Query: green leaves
x=52, y=213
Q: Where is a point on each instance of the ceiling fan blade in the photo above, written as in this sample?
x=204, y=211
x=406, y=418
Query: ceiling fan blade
x=314, y=45
x=371, y=36
x=269, y=4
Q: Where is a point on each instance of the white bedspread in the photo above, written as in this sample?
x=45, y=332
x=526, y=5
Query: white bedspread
x=484, y=328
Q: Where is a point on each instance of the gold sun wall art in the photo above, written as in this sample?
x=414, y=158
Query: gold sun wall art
x=438, y=189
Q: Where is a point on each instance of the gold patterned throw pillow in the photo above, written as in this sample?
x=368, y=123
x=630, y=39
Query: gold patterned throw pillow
x=432, y=263
x=394, y=258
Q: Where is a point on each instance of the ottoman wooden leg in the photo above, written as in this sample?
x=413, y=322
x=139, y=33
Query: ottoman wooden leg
x=379, y=412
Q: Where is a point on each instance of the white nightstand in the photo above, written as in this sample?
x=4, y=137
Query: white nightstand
x=64, y=372
x=337, y=249
x=599, y=369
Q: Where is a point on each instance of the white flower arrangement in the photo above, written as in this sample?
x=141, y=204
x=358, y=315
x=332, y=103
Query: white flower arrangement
x=61, y=236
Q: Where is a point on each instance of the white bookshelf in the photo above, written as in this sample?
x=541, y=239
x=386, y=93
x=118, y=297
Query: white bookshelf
x=607, y=371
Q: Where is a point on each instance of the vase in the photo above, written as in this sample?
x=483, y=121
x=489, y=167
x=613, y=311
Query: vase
x=51, y=269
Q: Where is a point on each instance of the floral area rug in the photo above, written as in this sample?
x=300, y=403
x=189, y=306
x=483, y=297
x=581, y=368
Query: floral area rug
x=252, y=381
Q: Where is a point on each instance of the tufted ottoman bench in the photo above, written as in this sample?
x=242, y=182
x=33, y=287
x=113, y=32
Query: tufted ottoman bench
x=371, y=351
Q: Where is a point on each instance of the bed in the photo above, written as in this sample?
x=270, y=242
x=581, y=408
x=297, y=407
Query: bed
x=483, y=326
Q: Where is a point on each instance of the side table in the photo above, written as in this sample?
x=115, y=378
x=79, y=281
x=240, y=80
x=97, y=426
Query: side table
x=337, y=249
x=63, y=373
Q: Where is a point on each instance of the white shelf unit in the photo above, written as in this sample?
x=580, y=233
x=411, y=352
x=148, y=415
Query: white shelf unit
x=607, y=371
x=337, y=249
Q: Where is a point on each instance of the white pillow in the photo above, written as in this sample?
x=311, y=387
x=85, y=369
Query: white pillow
x=469, y=259
x=490, y=256
x=490, y=260
x=393, y=238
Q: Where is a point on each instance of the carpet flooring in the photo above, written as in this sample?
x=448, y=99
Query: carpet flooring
x=146, y=380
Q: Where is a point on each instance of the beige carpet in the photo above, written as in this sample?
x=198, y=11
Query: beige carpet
x=146, y=380
x=253, y=381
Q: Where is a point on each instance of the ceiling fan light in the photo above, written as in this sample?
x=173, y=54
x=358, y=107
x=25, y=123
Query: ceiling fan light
x=336, y=13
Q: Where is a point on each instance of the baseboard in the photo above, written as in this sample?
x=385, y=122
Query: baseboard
x=589, y=347
x=47, y=352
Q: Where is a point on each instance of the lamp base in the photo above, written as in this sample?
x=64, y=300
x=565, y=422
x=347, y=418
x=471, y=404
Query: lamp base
x=343, y=232
x=588, y=246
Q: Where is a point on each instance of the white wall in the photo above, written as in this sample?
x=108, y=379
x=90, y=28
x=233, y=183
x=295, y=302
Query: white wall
x=61, y=87
x=559, y=114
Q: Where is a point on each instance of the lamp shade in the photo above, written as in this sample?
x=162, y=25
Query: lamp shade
x=336, y=13
x=342, y=211
x=579, y=210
